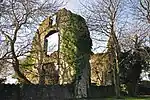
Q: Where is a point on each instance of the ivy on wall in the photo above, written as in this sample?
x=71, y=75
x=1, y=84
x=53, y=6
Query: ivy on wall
x=74, y=39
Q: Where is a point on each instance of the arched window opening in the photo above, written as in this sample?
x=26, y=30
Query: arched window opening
x=51, y=42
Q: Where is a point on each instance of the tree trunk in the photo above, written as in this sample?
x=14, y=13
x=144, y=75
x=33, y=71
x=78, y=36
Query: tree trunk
x=21, y=77
x=117, y=81
x=114, y=56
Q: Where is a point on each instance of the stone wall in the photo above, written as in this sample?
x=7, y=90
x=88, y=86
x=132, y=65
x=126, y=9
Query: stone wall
x=49, y=92
x=35, y=92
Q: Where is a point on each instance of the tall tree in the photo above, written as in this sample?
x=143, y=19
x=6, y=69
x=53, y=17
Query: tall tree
x=18, y=20
x=135, y=44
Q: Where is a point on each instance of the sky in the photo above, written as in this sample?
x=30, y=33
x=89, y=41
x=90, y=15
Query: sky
x=74, y=6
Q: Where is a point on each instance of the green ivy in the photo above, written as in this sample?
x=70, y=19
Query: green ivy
x=75, y=41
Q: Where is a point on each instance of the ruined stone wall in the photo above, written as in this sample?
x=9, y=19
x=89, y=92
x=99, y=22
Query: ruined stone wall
x=75, y=48
x=38, y=60
x=75, y=43
x=68, y=50
x=101, y=73
x=74, y=38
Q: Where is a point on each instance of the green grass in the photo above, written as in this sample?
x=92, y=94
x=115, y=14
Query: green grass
x=139, y=98
x=122, y=98
x=129, y=98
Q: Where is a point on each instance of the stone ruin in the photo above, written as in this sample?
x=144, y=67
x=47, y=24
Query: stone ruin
x=66, y=24
x=73, y=54
x=70, y=62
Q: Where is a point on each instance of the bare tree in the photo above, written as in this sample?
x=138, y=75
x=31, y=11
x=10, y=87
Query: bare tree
x=104, y=21
x=145, y=9
x=141, y=8
x=18, y=20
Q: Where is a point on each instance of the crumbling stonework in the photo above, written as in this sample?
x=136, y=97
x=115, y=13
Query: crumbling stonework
x=72, y=32
x=101, y=72
x=38, y=56
x=75, y=48
x=72, y=56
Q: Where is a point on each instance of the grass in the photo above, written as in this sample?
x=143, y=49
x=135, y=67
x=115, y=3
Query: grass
x=129, y=98
x=122, y=98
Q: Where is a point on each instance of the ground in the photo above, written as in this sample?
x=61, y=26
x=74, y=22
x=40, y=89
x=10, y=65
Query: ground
x=123, y=98
x=132, y=98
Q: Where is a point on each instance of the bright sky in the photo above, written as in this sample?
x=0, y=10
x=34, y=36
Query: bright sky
x=73, y=5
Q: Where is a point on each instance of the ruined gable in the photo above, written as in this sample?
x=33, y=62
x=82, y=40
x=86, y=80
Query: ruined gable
x=72, y=31
x=75, y=43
